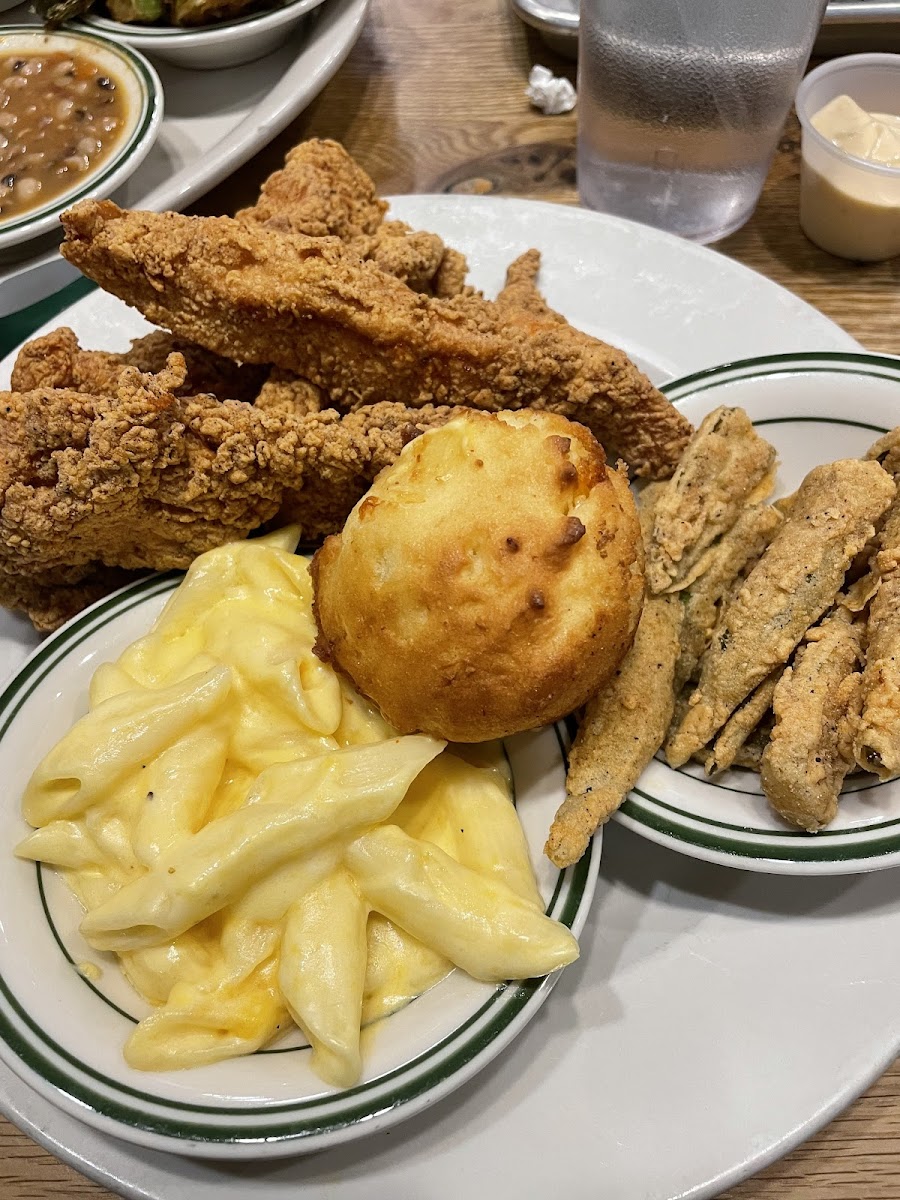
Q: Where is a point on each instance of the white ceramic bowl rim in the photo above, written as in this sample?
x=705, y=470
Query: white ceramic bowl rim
x=150, y=35
x=146, y=97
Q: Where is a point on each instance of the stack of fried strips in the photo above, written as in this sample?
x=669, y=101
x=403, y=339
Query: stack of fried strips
x=306, y=341
x=770, y=636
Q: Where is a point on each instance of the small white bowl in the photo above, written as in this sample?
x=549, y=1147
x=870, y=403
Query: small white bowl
x=208, y=47
x=145, y=110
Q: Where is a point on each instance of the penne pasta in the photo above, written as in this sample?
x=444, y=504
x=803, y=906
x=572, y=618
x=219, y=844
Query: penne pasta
x=480, y=924
x=323, y=972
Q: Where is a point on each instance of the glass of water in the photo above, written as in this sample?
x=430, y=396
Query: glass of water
x=681, y=104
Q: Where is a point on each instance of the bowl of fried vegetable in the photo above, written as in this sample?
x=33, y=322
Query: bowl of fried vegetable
x=198, y=34
x=78, y=115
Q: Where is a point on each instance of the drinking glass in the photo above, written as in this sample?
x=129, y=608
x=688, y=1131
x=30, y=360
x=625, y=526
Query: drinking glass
x=681, y=104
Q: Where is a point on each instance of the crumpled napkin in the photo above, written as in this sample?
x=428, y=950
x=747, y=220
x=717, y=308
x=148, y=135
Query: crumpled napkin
x=549, y=93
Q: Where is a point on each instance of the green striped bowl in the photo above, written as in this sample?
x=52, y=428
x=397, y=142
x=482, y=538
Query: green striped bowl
x=814, y=408
x=145, y=112
x=63, y=1033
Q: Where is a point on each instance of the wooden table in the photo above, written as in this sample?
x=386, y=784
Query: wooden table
x=431, y=99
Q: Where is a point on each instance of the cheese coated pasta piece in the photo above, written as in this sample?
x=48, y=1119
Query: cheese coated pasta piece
x=399, y=967
x=480, y=924
x=118, y=737
x=295, y=808
x=466, y=810
x=323, y=972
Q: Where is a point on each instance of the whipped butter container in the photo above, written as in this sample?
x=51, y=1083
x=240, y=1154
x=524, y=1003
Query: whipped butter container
x=849, y=111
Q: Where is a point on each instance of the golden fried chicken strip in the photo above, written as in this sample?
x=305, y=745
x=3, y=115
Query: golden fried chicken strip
x=877, y=745
x=791, y=586
x=726, y=466
x=322, y=192
x=623, y=727
x=816, y=705
x=141, y=479
x=725, y=562
x=57, y=361
x=309, y=306
x=740, y=725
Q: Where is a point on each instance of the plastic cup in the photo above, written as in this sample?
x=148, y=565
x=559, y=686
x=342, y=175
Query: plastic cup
x=681, y=104
x=849, y=206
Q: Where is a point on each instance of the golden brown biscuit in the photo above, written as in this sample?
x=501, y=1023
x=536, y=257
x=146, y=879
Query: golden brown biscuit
x=490, y=581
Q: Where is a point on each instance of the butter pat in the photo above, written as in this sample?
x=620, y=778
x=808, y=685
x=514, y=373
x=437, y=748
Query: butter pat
x=872, y=136
x=850, y=186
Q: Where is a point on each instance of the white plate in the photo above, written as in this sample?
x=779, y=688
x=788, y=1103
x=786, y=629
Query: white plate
x=668, y=1065
x=261, y=1105
x=214, y=122
x=800, y=403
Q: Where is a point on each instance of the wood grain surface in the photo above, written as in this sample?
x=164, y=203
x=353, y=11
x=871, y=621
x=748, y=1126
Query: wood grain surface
x=432, y=99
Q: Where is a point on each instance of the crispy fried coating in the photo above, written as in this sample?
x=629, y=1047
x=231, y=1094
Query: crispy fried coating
x=49, y=600
x=622, y=728
x=322, y=192
x=311, y=307
x=740, y=725
x=520, y=291
x=725, y=563
x=343, y=459
x=794, y=582
x=142, y=478
x=877, y=744
x=148, y=479
x=816, y=706
x=725, y=467
x=284, y=392
x=57, y=361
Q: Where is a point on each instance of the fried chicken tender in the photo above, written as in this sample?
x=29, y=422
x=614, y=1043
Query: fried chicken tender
x=725, y=467
x=310, y=306
x=146, y=479
x=94, y=487
x=816, y=705
x=622, y=728
x=322, y=192
x=795, y=581
x=877, y=745
x=57, y=361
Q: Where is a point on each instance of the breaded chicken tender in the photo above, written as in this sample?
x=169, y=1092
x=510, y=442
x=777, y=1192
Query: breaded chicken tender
x=57, y=361
x=796, y=580
x=623, y=727
x=816, y=705
x=311, y=306
x=725, y=467
x=489, y=582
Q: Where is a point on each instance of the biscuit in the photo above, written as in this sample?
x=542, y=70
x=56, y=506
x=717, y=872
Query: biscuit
x=489, y=582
